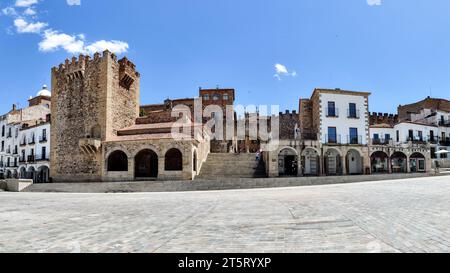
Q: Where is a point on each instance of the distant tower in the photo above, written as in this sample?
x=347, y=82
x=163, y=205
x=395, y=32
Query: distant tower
x=91, y=100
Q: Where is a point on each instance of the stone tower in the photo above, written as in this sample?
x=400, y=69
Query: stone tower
x=91, y=100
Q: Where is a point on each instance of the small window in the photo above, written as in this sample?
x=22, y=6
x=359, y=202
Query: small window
x=216, y=97
x=206, y=97
x=225, y=96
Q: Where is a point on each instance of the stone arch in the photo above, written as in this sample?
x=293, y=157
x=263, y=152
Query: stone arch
x=287, y=161
x=417, y=162
x=399, y=162
x=31, y=173
x=23, y=173
x=146, y=164
x=173, y=160
x=332, y=162
x=43, y=174
x=311, y=161
x=153, y=148
x=379, y=162
x=117, y=161
x=354, y=162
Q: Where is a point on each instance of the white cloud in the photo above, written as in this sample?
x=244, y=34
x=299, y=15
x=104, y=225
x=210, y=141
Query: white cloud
x=374, y=2
x=9, y=11
x=117, y=47
x=23, y=26
x=74, y=2
x=54, y=40
x=25, y=3
x=281, y=70
x=29, y=12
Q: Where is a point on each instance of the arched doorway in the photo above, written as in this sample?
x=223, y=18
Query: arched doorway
x=31, y=174
x=43, y=175
x=173, y=160
x=117, y=162
x=15, y=174
x=332, y=162
x=288, y=162
x=8, y=174
x=146, y=164
x=398, y=161
x=417, y=163
x=379, y=162
x=354, y=162
x=310, y=162
x=23, y=173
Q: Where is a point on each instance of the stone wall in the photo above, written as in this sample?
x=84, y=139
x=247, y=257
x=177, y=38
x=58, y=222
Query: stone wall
x=89, y=101
x=288, y=123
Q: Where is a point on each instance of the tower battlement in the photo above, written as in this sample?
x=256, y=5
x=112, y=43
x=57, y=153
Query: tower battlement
x=76, y=67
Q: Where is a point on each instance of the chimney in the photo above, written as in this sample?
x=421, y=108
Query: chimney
x=14, y=107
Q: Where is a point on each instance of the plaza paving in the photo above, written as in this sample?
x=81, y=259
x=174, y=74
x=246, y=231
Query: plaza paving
x=392, y=216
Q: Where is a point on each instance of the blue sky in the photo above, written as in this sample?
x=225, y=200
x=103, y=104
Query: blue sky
x=270, y=51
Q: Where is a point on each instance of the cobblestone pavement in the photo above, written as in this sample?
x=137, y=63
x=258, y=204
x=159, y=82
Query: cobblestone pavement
x=391, y=216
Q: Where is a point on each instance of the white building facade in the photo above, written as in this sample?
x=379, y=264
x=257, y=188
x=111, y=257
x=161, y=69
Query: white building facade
x=25, y=140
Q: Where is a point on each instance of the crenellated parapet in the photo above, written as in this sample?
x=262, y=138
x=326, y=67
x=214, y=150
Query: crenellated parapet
x=383, y=118
x=76, y=68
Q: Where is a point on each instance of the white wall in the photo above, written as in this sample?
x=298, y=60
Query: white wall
x=404, y=128
x=343, y=123
x=38, y=132
x=382, y=132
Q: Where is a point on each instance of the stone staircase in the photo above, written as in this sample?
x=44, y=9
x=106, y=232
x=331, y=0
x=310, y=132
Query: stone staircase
x=222, y=166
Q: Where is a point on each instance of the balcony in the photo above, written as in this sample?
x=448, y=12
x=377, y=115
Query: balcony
x=22, y=159
x=355, y=140
x=43, y=139
x=332, y=112
x=31, y=159
x=416, y=140
x=433, y=140
x=90, y=146
x=9, y=135
x=8, y=151
x=352, y=113
x=444, y=123
x=15, y=152
x=333, y=139
x=42, y=157
x=380, y=141
x=23, y=143
x=31, y=141
x=445, y=142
